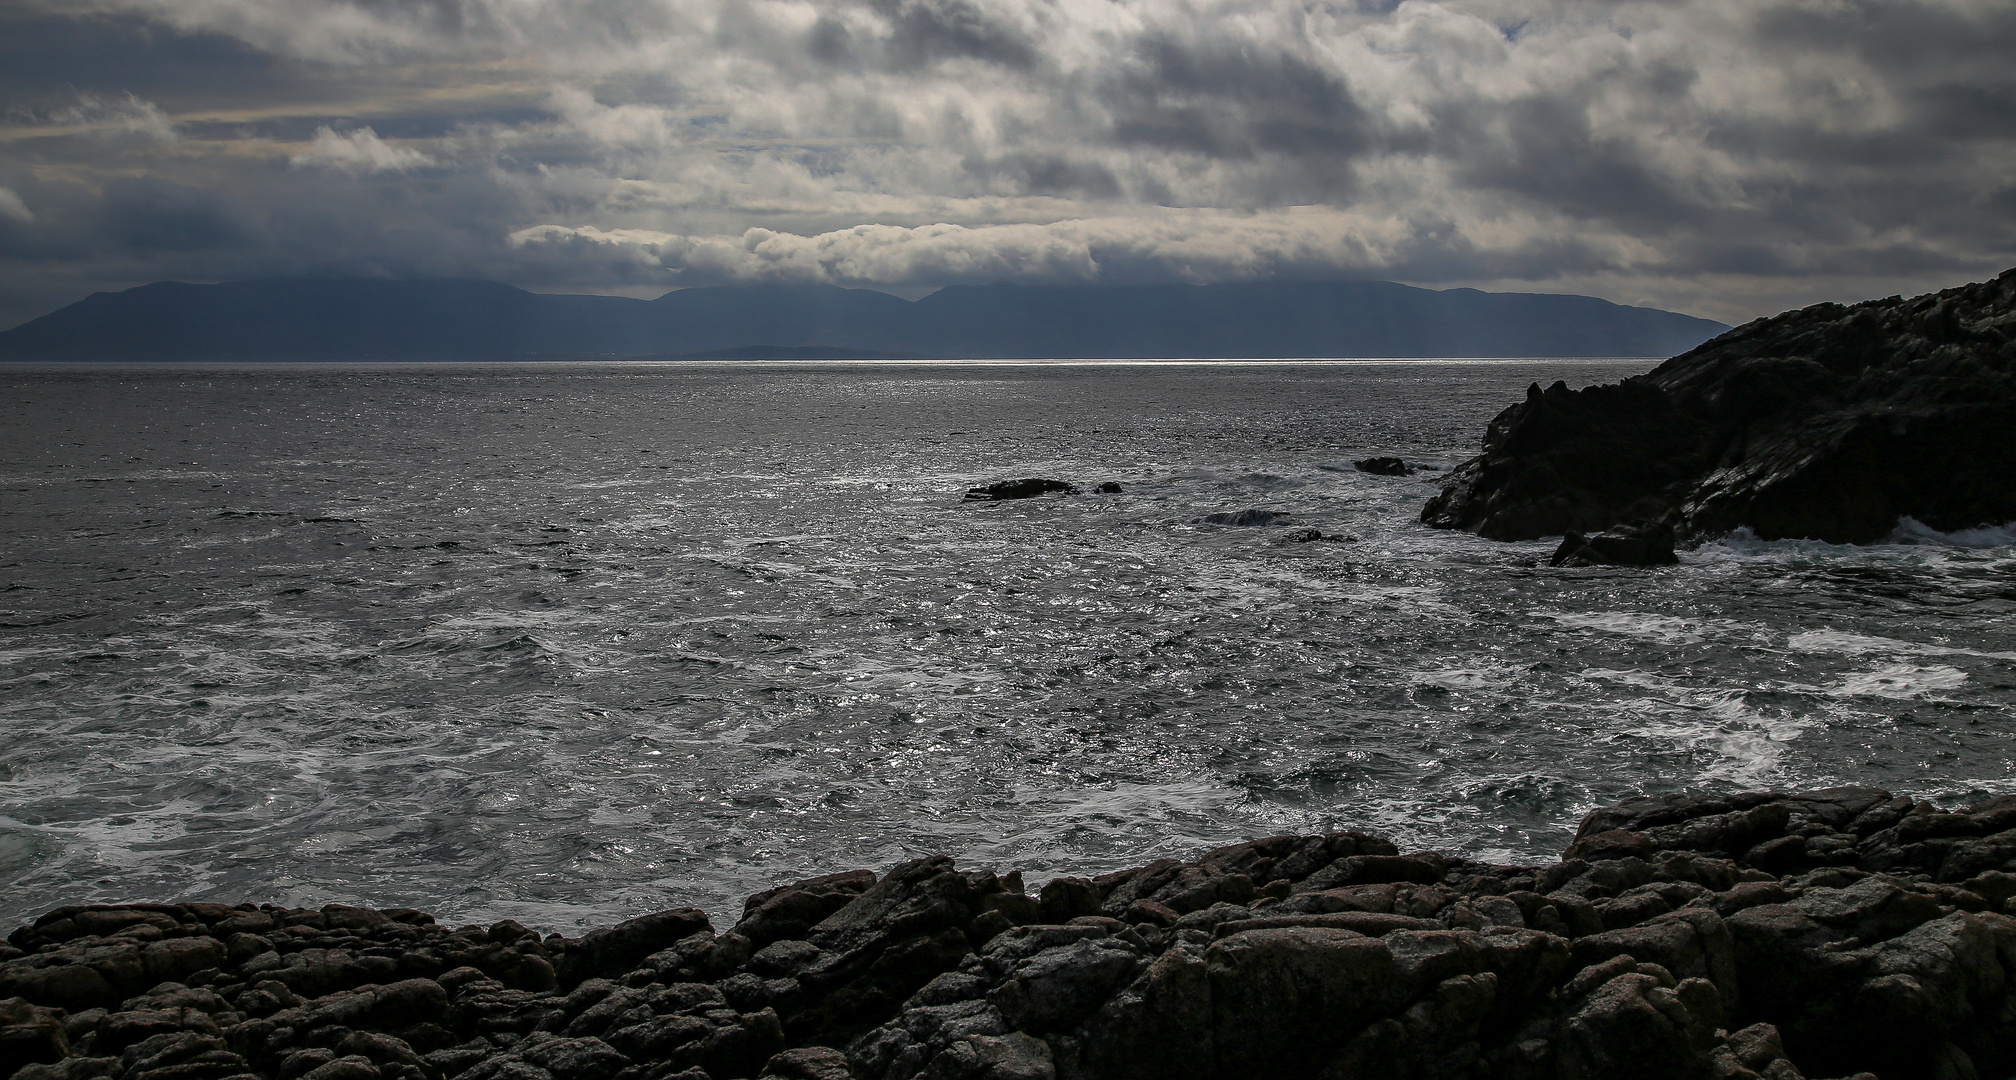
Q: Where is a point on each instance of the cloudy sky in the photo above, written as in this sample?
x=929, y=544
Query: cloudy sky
x=1723, y=157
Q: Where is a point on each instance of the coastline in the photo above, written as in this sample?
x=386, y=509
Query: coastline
x=1820, y=933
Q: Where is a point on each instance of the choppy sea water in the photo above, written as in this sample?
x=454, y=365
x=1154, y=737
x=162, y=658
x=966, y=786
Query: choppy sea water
x=564, y=643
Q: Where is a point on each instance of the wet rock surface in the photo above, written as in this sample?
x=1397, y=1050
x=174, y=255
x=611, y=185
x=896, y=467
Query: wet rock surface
x=1827, y=933
x=1825, y=423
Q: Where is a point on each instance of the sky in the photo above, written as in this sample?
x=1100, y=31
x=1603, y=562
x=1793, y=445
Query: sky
x=1727, y=158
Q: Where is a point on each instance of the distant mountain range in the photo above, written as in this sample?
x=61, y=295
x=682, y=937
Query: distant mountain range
x=371, y=319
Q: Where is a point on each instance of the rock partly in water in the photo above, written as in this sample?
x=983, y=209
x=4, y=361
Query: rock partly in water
x=1384, y=466
x=1110, y=487
x=1637, y=544
x=1691, y=937
x=1829, y=423
x=1026, y=488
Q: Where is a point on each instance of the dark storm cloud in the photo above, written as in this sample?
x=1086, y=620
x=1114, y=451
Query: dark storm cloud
x=1545, y=149
x=1045, y=174
x=273, y=223
x=142, y=214
x=1968, y=111
x=922, y=31
x=908, y=36
x=1951, y=67
x=1925, y=38
x=1229, y=100
x=46, y=58
x=1722, y=155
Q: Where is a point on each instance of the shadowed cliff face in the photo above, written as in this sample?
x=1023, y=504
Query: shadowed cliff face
x=1827, y=423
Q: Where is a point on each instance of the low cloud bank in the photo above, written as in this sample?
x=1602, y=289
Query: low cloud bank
x=1195, y=248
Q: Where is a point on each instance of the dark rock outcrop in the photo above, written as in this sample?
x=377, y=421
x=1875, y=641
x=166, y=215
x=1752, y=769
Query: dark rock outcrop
x=1827, y=423
x=1027, y=488
x=1690, y=937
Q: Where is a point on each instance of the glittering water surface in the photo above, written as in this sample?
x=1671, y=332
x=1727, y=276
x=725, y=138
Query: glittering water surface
x=563, y=643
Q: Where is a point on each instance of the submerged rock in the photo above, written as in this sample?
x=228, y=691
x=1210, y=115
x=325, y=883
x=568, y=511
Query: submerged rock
x=1247, y=517
x=1689, y=936
x=1027, y=488
x=1829, y=423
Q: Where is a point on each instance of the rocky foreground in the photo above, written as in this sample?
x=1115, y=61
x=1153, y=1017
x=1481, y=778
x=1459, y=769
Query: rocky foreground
x=1762, y=935
x=1827, y=423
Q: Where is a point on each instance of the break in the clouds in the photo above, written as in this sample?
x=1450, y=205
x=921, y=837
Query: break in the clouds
x=1725, y=157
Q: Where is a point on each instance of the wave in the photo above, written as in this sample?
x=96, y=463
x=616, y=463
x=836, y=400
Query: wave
x=1909, y=532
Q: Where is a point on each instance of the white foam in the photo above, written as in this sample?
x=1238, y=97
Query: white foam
x=1665, y=629
x=1839, y=641
x=1748, y=746
x=1851, y=644
x=1908, y=533
x=1644, y=680
x=791, y=539
x=1900, y=681
x=1464, y=678
x=1416, y=599
x=1910, y=530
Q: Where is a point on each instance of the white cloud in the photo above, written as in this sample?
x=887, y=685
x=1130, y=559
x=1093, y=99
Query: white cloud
x=12, y=207
x=359, y=151
x=125, y=115
x=1188, y=246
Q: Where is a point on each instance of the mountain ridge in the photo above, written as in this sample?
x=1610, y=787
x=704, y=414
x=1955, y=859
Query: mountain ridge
x=382, y=319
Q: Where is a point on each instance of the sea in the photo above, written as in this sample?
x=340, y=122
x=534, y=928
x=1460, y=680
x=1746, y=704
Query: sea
x=570, y=642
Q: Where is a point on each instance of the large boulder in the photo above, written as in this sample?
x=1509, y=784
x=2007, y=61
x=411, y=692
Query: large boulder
x=1620, y=545
x=1828, y=423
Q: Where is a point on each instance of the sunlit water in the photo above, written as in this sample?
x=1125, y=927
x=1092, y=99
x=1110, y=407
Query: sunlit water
x=563, y=643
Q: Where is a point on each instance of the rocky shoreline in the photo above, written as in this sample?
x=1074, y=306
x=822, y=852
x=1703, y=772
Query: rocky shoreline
x=1824, y=933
